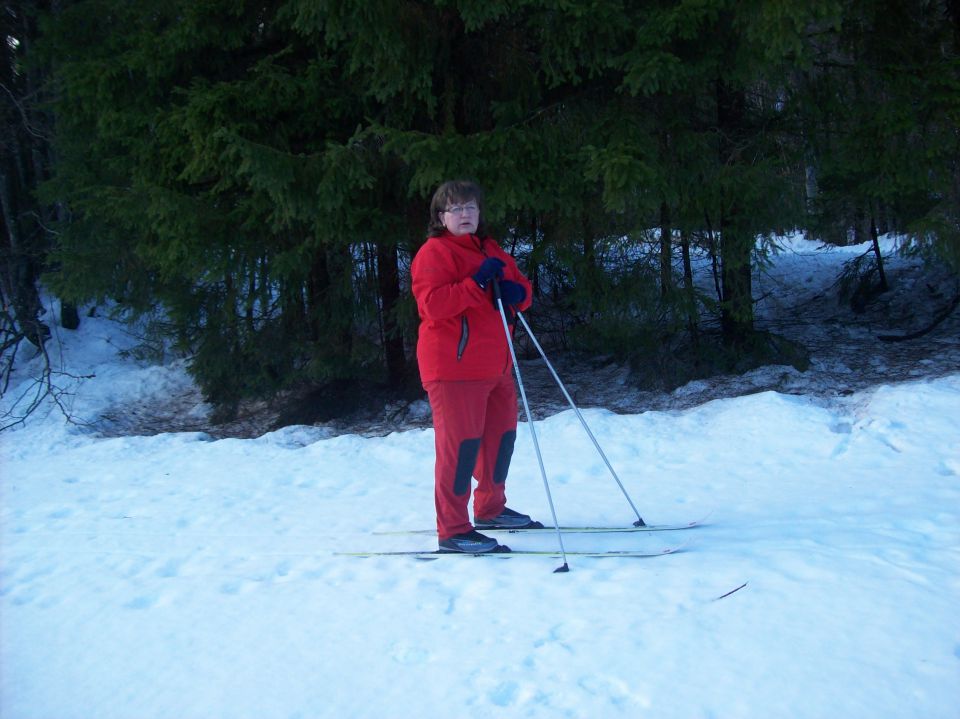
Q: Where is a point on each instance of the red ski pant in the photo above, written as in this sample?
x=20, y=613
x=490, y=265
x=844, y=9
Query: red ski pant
x=475, y=426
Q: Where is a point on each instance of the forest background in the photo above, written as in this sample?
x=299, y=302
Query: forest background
x=249, y=180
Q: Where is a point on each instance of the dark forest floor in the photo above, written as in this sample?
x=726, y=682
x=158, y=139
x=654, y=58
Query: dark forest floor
x=910, y=332
x=849, y=351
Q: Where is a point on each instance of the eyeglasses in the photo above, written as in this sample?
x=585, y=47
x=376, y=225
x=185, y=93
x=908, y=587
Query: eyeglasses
x=461, y=209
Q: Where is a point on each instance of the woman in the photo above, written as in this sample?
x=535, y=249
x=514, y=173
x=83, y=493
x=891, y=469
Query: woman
x=465, y=366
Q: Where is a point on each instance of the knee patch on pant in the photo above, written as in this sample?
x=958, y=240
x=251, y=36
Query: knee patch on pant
x=504, y=454
x=466, y=461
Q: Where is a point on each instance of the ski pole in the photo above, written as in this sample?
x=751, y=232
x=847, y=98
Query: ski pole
x=526, y=327
x=533, y=432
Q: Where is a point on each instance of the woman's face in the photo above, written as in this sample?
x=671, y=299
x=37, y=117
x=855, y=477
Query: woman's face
x=461, y=218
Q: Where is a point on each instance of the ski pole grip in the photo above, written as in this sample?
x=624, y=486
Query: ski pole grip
x=496, y=290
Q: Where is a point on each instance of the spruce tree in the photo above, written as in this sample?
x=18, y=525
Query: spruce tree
x=884, y=102
x=25, y=131
x=196, y=158
x=262, y=172
x=717, y=73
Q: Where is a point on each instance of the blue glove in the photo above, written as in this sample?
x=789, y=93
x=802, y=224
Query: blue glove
x=512, y=293
x=491, y=267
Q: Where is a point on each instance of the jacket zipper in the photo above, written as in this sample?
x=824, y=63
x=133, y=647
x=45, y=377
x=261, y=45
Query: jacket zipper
x=464, y=336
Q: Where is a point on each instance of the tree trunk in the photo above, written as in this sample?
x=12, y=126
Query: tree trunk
x=689, y=293
x=318, y=284
x=736, y=242
x=736, y=313
x=859, y=223
x=875, y=237
x=20, y=272
x=714, y=260
x=666, y=249
x=388, y=280
x=69, y=316
x=953, y=10
x=533, y=270
x=13, y=242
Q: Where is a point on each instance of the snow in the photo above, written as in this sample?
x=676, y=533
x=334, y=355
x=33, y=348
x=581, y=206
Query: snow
x=180, y=576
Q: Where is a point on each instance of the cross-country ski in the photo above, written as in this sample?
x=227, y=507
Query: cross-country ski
x=579, y=529
x=435, y=554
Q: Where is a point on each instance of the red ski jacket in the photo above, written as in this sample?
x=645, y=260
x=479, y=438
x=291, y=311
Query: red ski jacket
x=461, y=332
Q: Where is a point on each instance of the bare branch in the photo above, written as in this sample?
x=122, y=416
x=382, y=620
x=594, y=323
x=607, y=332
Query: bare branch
x=50, y=385
x=23, y=114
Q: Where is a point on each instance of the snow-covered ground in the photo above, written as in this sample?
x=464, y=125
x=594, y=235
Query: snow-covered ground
x=181, y=576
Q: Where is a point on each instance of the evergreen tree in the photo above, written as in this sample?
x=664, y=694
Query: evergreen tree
x=884, y=99
x=196, y=157
x=717, y=74
x=24, y=163
x=262, y=171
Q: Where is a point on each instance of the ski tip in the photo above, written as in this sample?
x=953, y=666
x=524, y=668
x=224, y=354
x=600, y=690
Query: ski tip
x=704, y=519
x=677, y=548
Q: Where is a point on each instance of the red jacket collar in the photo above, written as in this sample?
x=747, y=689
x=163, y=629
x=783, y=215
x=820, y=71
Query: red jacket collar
x=471, y=241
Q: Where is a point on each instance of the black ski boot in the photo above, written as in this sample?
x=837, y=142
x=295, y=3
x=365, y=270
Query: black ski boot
x=508, y=519
x=471, y=542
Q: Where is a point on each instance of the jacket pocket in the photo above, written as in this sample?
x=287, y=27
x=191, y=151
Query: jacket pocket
x=464, y=336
